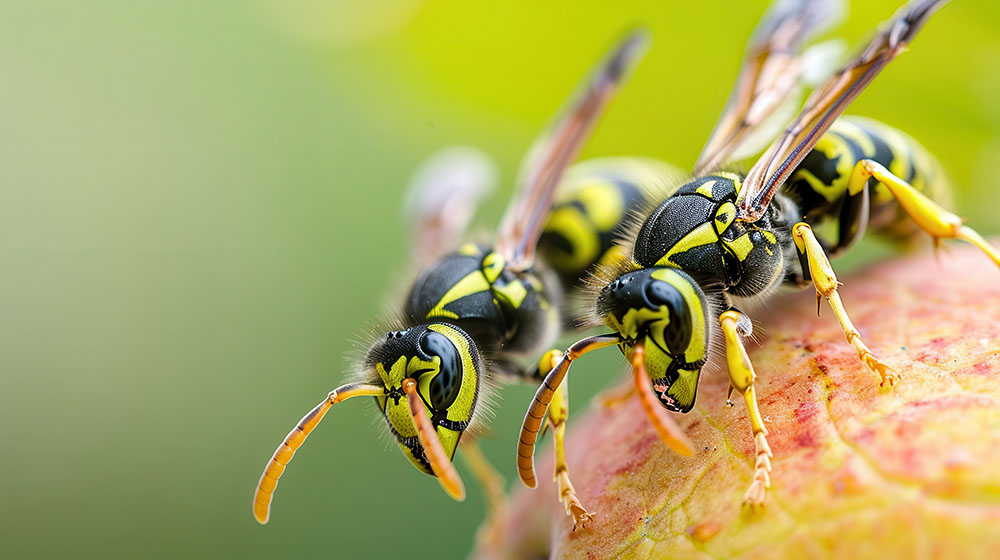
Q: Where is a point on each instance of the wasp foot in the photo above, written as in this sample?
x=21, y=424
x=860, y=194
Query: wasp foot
x=754, y=497
x=888, y=375
x=574, y=508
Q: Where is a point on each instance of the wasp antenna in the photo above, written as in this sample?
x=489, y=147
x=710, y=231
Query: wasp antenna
x=540, y=404
x=440, y=462
x=668, y=430
x=283, y=454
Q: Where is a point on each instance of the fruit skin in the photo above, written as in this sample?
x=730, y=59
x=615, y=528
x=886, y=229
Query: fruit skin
x=859, y=472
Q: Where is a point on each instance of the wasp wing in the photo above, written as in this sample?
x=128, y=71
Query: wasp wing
x=556, y=148
x=769, y=78
x=442, y=198
x=825, y=105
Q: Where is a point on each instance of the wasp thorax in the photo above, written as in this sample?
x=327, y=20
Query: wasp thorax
x=696, y=230
x=663, y=309
x=446, y=365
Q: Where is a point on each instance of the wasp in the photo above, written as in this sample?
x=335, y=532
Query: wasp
x=723, y=238
x=471, y=313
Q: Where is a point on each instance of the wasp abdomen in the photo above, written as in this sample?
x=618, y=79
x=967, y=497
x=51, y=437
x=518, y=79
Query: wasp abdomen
x=596, y=201
x=819, y=185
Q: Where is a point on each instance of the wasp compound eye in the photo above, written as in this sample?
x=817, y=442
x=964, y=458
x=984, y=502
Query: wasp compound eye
x=660, y=294
x=446, y=382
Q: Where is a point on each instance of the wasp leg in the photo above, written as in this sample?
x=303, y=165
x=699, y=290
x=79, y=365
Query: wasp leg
x=537, y=411
x=490, y=480
x=741, y=378
x=932, y=218
x=826, y=284
x=558, y=414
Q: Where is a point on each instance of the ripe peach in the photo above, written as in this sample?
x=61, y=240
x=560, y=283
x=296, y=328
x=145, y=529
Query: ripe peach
x=858, y=472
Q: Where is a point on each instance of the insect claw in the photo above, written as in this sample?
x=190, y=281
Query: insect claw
x=581, y=518
x=754, y=498
x=889, y=377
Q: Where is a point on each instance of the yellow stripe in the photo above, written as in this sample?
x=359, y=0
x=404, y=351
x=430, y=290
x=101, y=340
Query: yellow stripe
x=706, y=188
x=473, y=283
x=701, y=235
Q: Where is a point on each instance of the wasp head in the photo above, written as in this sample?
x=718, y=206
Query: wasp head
x=663, y=309
x=445, y=365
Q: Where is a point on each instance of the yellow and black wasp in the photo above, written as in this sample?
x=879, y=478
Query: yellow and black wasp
x=472, y=312
x=723, y=238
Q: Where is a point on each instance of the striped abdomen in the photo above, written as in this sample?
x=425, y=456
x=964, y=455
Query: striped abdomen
x=819, y=185
x=594, y=206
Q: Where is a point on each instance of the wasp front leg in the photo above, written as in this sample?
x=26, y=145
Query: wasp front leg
x=817, y=266
x=558, y=414
x=741, y=379
x=927, y=214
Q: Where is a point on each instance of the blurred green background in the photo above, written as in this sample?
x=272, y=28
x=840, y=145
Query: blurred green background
x=199, y=212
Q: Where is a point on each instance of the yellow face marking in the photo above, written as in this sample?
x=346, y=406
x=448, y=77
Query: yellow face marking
x=628, y=327
x=684, y=390
x=468, y=250
x=656, y=359
x=398, y=416
x=701, y=235
x=461, y=410
x=473, y=283
x=698, y=347
x=424, y=380
x=658, y=320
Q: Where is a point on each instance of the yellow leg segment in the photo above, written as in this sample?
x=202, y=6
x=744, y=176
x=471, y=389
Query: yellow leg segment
x=741, y=379
x=932, y=218
x=489, y=479
x=826, y=284
x=557, y=414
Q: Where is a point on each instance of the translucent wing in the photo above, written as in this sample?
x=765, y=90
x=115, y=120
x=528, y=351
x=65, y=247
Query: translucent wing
x=769, y=78
x=825, y=105
x=556, y=148
x=442, y=198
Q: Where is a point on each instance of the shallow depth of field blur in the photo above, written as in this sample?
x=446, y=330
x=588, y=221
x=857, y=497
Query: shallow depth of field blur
x=199, y=212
